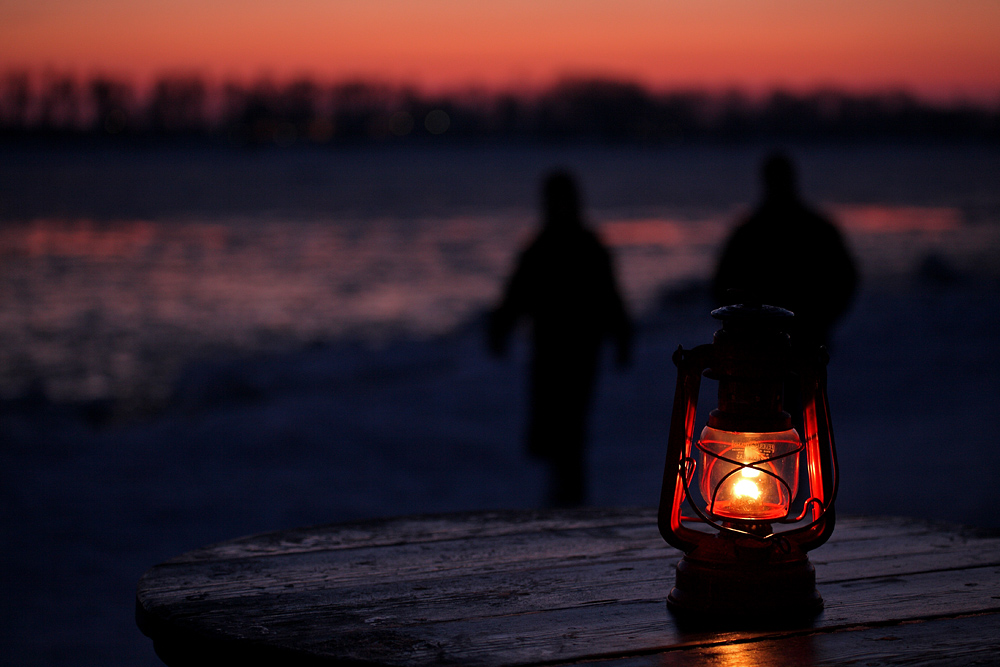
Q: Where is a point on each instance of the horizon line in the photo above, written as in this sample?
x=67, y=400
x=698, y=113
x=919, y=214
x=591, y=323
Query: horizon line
x=983, y=99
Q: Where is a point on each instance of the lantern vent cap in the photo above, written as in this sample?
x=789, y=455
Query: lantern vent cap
x=752, y=312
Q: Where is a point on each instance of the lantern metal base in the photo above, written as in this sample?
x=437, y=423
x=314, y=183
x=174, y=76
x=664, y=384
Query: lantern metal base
x=767, y=588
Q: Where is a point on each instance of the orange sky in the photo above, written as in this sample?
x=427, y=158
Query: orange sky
x=938, y=48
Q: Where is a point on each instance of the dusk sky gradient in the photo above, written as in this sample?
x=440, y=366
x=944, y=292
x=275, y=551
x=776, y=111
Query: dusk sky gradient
x=937, y=48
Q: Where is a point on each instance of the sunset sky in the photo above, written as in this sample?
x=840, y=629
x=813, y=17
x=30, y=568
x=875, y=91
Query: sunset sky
x=937, y=48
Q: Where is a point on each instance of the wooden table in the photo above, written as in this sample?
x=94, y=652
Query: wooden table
x=555, y=587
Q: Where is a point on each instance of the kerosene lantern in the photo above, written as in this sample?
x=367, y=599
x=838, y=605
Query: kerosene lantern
x=753, y=494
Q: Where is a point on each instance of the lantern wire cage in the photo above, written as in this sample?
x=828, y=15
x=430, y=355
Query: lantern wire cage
x=820, y=506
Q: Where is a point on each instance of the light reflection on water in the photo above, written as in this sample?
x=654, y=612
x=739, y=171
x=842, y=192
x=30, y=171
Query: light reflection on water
x=96, y=310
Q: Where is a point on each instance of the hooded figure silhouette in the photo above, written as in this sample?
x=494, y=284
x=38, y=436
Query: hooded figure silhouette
x=564, y=284
x=786, y=254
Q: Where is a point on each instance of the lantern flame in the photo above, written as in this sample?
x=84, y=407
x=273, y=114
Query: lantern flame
x=744, y=488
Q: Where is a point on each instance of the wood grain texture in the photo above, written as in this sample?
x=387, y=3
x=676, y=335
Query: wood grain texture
x=951, y=642
x=522, y=588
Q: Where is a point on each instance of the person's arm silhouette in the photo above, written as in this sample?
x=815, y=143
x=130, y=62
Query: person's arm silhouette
x=513, y=306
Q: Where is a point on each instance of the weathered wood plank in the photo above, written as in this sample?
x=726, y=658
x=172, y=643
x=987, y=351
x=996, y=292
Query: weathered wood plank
x=576, y=539
x=492, y=615
x=948, y=642
x=477, y=525
x=592, y=588
x=608, y=550
x=615, y=628
x=450, y=560
x=417, y=530
x=627, y=579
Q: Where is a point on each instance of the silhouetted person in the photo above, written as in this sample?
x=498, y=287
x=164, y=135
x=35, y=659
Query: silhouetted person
x=786, y=254
x=565, y=286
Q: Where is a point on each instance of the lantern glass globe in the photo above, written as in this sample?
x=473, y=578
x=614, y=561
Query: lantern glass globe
x=748, y=476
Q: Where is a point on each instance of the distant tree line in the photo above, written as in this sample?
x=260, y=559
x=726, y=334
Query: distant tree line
x=186, y=108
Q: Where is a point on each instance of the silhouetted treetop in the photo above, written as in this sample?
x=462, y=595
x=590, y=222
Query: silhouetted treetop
x=304, y=111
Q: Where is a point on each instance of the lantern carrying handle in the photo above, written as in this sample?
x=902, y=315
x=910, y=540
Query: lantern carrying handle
x=823, y=470
x=690, y=366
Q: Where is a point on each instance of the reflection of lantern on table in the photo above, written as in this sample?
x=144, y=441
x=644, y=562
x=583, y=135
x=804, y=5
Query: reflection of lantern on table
x=740, y=480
